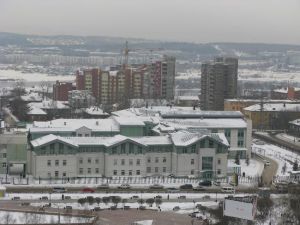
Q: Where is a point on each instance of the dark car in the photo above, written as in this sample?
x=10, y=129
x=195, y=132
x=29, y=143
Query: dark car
x=205, y=183
x=88, y=190
x=186, y=186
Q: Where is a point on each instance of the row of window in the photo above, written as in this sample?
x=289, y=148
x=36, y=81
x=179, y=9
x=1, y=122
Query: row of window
x=88, y=171
x=124, y=173
x=56, y=162
x=89, y=161
x=130, y=162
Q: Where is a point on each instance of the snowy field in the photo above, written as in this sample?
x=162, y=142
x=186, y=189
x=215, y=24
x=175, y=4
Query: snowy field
x=37, y=77
x=7, y=217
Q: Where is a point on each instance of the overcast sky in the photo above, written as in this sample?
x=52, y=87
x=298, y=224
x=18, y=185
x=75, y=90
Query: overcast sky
x=268, y=21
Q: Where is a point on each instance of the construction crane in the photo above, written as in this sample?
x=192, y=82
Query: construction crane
x=126, y=50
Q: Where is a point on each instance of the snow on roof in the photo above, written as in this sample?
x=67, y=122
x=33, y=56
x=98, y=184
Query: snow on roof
x=206, y=123
x=95, y=111
x=185, y=138
x=129, y=121
x=36, y=111
x=48, y=104
x=32, y=97
x=105, y=141
x=274, y=107
x=295, y=122
x=281, y=90
x=49, y=138
x=74, y=124
x=143, y=222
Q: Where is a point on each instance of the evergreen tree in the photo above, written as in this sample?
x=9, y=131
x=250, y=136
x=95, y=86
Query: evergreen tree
x=295, y=165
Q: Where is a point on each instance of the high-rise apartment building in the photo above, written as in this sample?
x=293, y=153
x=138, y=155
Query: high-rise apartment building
x=119, y=84
x=218, y=82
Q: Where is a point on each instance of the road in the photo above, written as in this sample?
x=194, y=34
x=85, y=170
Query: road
x=269, y=172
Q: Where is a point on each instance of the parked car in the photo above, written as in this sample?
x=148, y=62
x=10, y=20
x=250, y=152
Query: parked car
x=16, y=198
x=267, y=163
x=59, y=189
x=158, y=197
x=67, y=197
x=103, y=186
x=227, y=189
x=205, y=183
x=44, y=198
x=141, y=207
x=97, y=209
x=114, y=207
x=134, y=197
x=176, y=208
x=124, y=186
x=156, y=186
x=25, y=204
x=199, y=188
x=171, y=175
x=182, y=197
x=216, y=183
x=88, y=190
x=186, y=186
x=173, y=190
x=68, y=207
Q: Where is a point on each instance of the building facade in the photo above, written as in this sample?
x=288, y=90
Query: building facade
x=60, y=90
x=180, y=154
x=218, y=82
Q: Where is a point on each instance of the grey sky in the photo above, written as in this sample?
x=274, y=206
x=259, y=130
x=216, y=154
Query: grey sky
x=275, y=21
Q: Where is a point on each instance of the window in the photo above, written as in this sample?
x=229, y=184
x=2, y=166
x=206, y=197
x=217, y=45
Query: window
x=49, y=162
x=4, y=155
x=4, y=165
x=240, y=133
x=138, y=172
x=123, y=162
x=97, y=161
x=89, y=160
x=56, y=174
x=130, y=172
x=156, y=159
x=240, y=143
x=80, y=170
x=96, y=170
x=64, y=174
x=89, y=170
x=149, y=160
x=56, y=162
x=192, y=161
x=140, y=150
x=164, y=159
x=184, y=150
x=64, y=162
x=131, y=148
x=130, y=162
x=115, y=162
x=210, y=144
x=61, y=146
x=227, y=133
x=115, y=172
x=114, y=150
x=219, y=161
x=192, y=172
x=52, y=146
x=49, y=174
x=219, y=171
x=123, y=150
x=138, y=162
x=80, y=161
x=122, y=172
x=148, y=169
x=202, y=144
x=193, y=149
x=207, y=163
x=164, y=169
x=86, y=135
x=156, y=169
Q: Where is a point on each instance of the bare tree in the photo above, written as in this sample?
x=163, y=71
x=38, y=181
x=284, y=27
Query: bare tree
x=8, y=218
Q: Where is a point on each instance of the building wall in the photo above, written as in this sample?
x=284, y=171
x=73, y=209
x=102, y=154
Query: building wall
x=123, y=158
x=60, y=91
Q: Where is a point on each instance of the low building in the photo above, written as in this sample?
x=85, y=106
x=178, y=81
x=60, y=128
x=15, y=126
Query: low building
x=272, y=115
x=95, y=113
x=187, y=101
x=13, y=152
x=181, y=154
x=54, y=109
x=294, y=127
x=36, y=114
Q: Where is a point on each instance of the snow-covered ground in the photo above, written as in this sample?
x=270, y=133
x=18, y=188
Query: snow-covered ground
x=280, y=155
x=7, y=217
x=254, y=169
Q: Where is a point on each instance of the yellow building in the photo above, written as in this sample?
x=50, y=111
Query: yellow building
x=272, y=115
x=2, y=191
